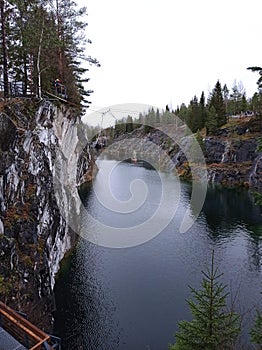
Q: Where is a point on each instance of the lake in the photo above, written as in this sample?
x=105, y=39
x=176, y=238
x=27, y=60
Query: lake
x=132, y=298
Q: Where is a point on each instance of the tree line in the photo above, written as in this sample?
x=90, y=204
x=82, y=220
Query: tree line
x=210, y=113
x=221, y=103
x=42, y=40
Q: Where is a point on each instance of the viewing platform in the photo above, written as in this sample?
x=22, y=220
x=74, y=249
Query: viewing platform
x=17, y=333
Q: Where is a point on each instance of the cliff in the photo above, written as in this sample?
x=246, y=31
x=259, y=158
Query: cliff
x=36, y=139
x=232, y=162
x=231, y=155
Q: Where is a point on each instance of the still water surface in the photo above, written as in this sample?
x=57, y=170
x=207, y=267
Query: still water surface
x=132, y=298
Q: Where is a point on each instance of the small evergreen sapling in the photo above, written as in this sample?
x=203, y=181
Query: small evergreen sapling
x=256, y=331
x=212, y=327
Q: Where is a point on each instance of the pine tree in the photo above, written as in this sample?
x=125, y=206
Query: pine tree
x=259, y=70
x=212, y=328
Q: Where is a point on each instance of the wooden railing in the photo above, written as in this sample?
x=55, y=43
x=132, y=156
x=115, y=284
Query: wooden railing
x=22, y=330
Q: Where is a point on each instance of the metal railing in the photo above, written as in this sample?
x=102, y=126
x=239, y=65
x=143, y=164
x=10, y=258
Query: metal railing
x=25, y=332
x=18, y=89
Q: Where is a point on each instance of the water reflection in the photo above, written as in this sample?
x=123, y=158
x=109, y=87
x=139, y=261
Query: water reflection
x=230, y=214
x=226, y=207
x=84, y=316
x=126, y=299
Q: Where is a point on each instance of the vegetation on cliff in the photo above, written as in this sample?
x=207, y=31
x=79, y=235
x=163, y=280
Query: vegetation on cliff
x=42, y=41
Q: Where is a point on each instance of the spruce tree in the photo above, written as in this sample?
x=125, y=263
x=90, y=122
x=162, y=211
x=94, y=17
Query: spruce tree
x=212, y=327
x=202, y=108
x=256, y=331
x=211, y=121
x=183, y=112
x=194, y=120
x=217, y=102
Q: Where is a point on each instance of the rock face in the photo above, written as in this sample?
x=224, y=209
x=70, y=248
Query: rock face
x=34, y=236
x=255, y=176
x=228, y=151
x=231, y=154
x=234, y=162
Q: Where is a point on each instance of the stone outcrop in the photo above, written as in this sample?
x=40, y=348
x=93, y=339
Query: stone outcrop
x=35, y=141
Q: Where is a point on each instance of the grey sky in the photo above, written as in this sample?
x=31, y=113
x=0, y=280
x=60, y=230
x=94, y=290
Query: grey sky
x=161, y=52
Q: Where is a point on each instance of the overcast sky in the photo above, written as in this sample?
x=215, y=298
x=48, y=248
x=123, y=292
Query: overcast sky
x=165, y=52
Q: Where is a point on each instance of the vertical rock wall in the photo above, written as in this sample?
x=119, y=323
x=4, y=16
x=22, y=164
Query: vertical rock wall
x=34, y=236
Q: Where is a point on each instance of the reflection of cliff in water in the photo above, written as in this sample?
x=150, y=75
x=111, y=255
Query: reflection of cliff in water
x=83, y=306
x=255, y=253
x=226, y=212
x=227, y=208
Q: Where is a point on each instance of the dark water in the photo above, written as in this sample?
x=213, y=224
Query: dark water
x=132, y=298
